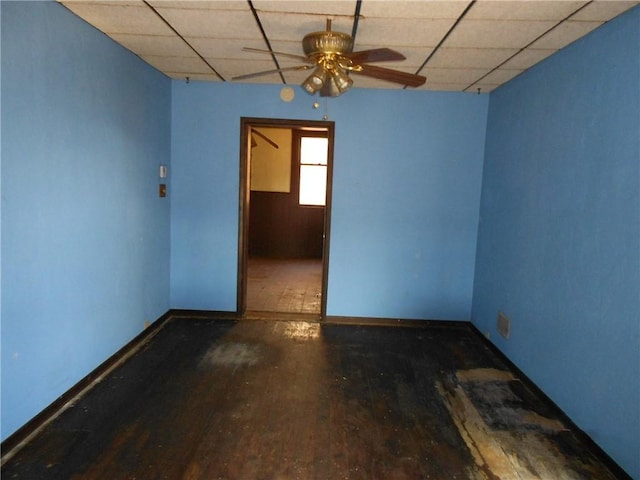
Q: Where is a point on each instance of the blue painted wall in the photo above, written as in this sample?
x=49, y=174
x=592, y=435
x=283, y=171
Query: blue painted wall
x=85, y=238
x=85, y=242
x=406, y=189
x=558, y=246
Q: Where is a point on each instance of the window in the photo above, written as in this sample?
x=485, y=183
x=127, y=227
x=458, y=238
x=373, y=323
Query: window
x=313, y=170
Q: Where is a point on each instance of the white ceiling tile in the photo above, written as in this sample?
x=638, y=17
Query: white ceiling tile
x=193, y=77
x=295, y=77
x=363, y=82
x=294, y=46
x=413, y=9
x=564, y=34
x=496, y=34
x=294, y=26
x=415, y=56
x=273, y=78
x=201, y=4
x=500, y=76
x=212, y=23
x=228, y=48
x=234, y=67
x=470, y=57
x=134, y=3
x=527, y=58
x=603, y=10
x=172, y=46
x=453, y=75
x=322, y=8
x=178, y=64
x=446, y=87
x=393, y=32
x=121, y=18
x=233, y=48
x=482, y=88
x=523, y=9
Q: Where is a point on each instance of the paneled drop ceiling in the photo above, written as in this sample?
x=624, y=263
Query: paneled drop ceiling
x=459, y=45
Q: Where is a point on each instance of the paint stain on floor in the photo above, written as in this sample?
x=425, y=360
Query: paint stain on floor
x=506, y=438
x=233, y=355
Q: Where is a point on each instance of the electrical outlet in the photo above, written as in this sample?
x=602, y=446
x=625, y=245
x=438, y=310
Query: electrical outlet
x=503, y=325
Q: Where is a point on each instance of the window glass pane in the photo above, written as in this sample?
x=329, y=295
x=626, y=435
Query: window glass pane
x=313, y=150
x=313, y=184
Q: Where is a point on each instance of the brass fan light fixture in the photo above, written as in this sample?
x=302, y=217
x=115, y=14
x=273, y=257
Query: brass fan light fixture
x=327, y=50
x=332, y=58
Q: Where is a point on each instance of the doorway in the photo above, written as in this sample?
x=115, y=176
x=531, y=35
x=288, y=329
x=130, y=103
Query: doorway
x=284, y=232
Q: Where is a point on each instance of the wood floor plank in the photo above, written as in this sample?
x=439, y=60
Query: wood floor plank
x=279, y=400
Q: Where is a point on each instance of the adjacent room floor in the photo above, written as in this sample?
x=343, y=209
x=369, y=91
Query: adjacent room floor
x=219, y=399
x=284, y=285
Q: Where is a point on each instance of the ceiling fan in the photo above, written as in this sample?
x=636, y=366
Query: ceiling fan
x=331, y=56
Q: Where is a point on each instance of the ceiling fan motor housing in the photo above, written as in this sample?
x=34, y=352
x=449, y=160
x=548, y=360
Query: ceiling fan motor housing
x=319, y=44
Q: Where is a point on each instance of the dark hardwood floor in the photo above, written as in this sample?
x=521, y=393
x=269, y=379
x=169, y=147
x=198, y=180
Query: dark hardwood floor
x=207, y=399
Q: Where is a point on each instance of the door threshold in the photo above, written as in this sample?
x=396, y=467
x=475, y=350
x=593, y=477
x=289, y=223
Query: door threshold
x=282, y=316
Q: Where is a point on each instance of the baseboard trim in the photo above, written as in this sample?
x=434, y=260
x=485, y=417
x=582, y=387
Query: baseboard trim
x=206, y=314
x=249, y=315
x=310, y=317
x=394, y=322
x=596, y=449
x=12, y=444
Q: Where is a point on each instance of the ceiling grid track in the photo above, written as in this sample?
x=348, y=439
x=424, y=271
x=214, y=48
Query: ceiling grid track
x=185, y=41
x=527, y=46
x=356, y=19
x=444, y=38
x=266, y=39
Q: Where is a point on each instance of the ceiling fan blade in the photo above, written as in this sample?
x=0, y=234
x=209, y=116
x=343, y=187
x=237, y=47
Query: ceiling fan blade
x=390, y=75
x=267, y=72
x=374, y=55
x=283, y=54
